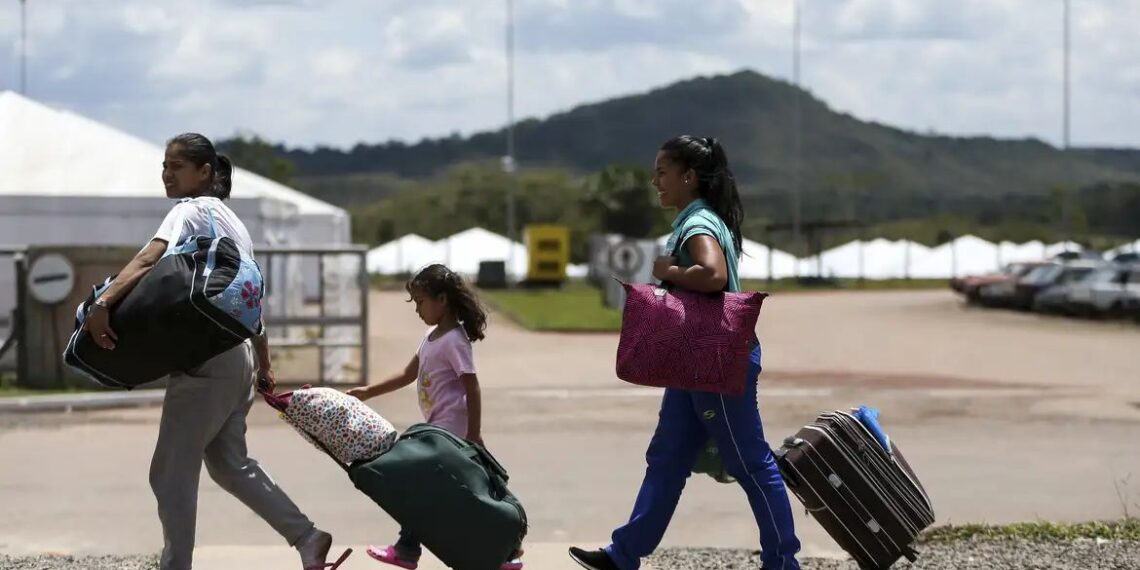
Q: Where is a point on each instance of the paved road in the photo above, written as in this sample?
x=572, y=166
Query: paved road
x=1004, y=416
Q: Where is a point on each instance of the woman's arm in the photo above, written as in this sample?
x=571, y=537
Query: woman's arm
x=98, y=322
x=707, y=274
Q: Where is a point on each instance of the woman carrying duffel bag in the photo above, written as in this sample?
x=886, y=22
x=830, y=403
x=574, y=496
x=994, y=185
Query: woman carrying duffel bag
x=204, y=411
x=692, y=176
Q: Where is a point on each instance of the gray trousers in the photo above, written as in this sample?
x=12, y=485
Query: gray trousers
x=203, y=418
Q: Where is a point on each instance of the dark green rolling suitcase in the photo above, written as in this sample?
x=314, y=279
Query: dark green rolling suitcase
x=450, y=493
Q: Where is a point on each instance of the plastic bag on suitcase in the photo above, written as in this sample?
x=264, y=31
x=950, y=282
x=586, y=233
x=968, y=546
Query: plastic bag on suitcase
x=336, y=423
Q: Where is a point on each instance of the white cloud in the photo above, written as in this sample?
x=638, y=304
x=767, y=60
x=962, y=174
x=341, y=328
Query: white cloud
x=308, y=72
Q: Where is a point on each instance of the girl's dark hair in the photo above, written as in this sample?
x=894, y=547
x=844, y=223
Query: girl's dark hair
x=716, y=186
x=436, y=280
x=199, y=150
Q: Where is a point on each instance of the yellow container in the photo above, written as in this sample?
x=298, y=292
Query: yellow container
x=548, y=252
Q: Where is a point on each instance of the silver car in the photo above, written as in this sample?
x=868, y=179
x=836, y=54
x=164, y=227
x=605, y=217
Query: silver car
x=1108, y=291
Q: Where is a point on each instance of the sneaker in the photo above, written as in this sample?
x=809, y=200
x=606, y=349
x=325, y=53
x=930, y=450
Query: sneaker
x=593, y=559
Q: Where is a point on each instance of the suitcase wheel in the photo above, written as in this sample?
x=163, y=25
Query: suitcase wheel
x=910, y=554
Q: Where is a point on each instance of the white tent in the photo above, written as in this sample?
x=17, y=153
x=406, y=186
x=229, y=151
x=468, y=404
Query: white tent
x=53, y=158
x=461, y=252
x=1062, y=247
x=464, y=251
x=966, y=255
x=1133, y=247
x=404, y=255
x=1009, y=252
x=754, y=262
x=875, y=259
x=69, y=180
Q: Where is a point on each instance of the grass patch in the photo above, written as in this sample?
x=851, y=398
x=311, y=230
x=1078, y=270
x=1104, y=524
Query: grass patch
x=8, y=388
x=576, y=306
x=13, y=391
x=1124, y=529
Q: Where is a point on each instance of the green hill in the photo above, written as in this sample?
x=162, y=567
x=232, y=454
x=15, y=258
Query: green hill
x=753, y=115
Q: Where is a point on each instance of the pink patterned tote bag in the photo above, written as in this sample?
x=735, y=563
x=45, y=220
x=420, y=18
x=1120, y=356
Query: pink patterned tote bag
x=335, y=422
x=693, y=341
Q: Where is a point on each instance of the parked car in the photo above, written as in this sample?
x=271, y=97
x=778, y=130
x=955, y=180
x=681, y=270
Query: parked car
x=1054, y=299
x=1041, y=278
x=970, y=286
x=1108, y=291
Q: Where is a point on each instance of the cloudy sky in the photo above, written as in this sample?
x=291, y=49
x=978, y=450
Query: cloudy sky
x=338, y=72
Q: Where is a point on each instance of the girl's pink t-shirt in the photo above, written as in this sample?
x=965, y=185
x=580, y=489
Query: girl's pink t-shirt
x=443, y=399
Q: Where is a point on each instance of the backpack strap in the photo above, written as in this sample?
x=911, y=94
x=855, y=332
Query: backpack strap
x=213, y=227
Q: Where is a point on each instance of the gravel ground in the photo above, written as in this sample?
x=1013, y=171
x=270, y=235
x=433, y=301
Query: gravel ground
x=965, y=555
x=83, y=563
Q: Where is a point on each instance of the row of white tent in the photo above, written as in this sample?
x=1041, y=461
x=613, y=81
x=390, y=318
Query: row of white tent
x=462, y=252
x=872, y=259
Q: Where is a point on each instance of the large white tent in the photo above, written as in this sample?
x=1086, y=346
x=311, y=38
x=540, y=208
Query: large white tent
x=462, y=252
x=1009, y=252
x=404, y=255
x=755, y=261
x=758, y=258
x=70, y=180
x=1133, y=247
x=874, y=259
x=966, y=255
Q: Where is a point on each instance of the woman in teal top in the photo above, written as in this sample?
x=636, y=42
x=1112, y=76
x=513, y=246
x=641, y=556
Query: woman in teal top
x=692, y=176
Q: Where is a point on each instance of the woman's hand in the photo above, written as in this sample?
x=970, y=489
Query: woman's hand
x=98, y=324
x=266, y=381
x=98, y=321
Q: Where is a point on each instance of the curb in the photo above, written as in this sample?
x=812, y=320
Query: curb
x=89, y=401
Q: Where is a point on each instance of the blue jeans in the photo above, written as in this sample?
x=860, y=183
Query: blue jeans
x=686, y=422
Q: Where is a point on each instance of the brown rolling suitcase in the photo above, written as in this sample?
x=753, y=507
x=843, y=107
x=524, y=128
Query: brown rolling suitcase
x=869, y=500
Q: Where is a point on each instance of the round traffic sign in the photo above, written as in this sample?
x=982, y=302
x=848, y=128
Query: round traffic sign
x=626, y=258
x=51, y=278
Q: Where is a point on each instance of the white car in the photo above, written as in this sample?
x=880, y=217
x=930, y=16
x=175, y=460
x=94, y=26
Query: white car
x=1106, y=291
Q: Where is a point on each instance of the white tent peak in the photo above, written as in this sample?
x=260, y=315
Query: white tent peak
x=54, y=152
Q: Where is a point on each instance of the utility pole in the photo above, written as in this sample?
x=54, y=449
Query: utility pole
x=509, y=165
x=797, y=216
x=24, y=47
x=1067, y=198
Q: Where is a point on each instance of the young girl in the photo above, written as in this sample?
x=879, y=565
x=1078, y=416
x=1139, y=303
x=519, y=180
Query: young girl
x=444, y=372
